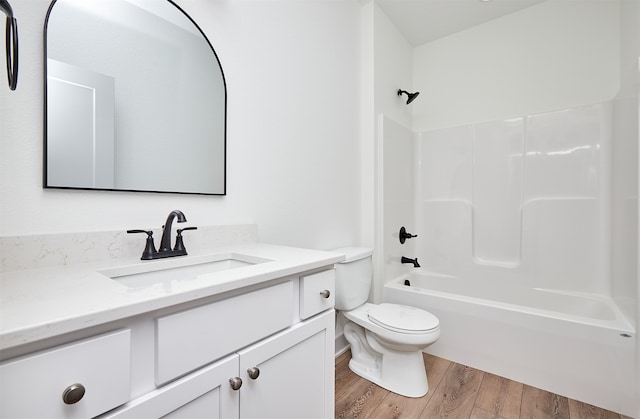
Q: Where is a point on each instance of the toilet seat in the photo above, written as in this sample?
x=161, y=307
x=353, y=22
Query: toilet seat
x=403, y=319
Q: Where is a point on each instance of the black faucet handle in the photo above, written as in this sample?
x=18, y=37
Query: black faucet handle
x=404, y=235
x=148, y=232
x=150, y=248
x=180, y=230
x=179, y=243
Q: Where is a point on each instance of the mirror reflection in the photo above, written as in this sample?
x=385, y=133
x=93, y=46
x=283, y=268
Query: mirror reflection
x=135, y=99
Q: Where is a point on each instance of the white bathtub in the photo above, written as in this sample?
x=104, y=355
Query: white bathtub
x=576, y=345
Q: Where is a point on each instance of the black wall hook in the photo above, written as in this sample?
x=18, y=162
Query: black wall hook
x=11, y=44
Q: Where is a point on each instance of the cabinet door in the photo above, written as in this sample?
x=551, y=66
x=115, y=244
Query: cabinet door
x=296, y=373
x=205, y=394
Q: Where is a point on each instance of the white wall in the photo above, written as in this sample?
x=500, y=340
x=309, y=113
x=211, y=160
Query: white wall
x=398, y=179
x=550, y=56
x=392, y=70
x=292, y=72
x=367, y=125
x=393, y=66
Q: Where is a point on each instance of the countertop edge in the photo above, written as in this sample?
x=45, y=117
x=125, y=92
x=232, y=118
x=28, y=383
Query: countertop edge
x=41, y=330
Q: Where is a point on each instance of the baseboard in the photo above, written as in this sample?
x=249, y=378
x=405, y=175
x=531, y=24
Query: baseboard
x=341, y=345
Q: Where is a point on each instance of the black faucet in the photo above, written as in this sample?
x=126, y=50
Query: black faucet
x=407, y=260
x=165, y=251
x=165, y=243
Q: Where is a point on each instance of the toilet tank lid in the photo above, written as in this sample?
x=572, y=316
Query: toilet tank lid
x=353, y=253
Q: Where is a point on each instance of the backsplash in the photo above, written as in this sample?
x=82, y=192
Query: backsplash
x=40, y=251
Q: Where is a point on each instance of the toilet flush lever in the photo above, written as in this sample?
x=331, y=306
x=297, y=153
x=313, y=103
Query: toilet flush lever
x=404, y=235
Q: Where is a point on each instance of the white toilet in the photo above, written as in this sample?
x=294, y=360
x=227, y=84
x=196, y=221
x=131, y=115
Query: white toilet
x=386, y=339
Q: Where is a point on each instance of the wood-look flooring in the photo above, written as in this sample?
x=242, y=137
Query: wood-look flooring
x=455, y=391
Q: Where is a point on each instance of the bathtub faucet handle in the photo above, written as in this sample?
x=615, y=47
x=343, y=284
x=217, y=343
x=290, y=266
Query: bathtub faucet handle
x=407, y=260
x=404, y=235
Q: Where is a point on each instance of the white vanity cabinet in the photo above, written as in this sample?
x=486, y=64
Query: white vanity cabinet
x=254, y=355
x=198, y=338
x=288, y=375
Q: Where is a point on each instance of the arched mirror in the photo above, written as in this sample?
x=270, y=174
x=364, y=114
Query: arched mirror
x=135, y=99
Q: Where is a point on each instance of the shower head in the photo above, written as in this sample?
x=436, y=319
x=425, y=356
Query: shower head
x=410, y=96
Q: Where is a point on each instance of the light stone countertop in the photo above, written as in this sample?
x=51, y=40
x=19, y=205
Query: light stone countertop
x=40, y=303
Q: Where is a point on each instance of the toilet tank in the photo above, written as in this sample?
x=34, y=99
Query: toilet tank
x=353, y=277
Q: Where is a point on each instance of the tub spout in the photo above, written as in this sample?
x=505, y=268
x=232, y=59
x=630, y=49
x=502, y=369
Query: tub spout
x=407, y=260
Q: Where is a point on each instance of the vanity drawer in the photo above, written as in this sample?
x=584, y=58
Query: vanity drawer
x=195, y=337
x=317, y=293
x=34, y=386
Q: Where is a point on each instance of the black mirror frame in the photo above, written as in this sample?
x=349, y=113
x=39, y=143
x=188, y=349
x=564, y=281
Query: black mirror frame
x=44, y=151
x=11, y=44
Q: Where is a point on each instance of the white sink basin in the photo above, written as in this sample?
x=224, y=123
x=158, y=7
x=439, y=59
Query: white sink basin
x=169, y=270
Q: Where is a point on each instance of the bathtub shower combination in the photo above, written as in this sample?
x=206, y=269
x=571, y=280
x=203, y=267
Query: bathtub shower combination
x=580, y=346
x=521, y=260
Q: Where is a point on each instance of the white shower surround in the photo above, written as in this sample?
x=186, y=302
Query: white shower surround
x=527, y=197
x=545, y=183
x=530, y=272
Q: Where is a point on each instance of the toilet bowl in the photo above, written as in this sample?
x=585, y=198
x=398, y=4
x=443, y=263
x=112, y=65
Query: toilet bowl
x=389, y=356
x=386, y=340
